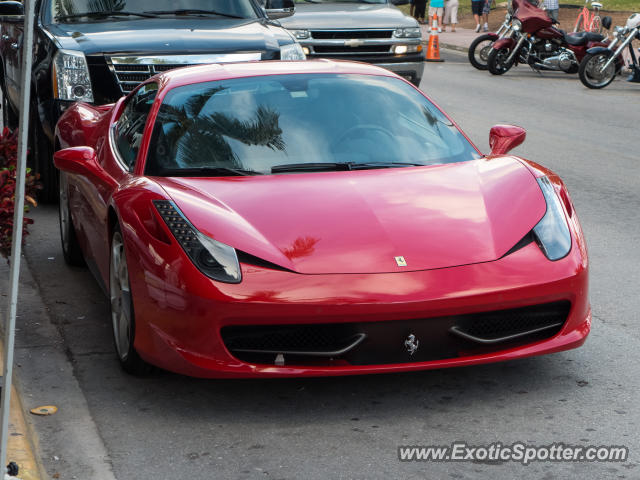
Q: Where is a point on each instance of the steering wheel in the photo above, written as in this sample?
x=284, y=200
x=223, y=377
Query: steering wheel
x=365, y=127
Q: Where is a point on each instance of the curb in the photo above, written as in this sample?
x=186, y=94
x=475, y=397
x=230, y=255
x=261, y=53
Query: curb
x=450, y=46
x=21, y=442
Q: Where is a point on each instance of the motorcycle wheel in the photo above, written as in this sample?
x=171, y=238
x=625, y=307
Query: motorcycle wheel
x=590, y=72
x=479, y=51
x=498, y=63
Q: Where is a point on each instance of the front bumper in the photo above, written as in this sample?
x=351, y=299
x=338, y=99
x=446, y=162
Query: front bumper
x=412, y=71
x=179, y=324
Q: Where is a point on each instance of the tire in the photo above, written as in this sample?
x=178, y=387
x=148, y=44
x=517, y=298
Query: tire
x=122, y=311
x=479, y=51
x=497, y=61
x=588, y=71
x=41, y=160
x=71, y=250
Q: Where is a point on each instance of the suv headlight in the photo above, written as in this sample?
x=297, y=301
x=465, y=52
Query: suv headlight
x=71, y=79
x=552, y=232
x=412, y=32
x=216, y=260
x=300, y=34
x=293, y=51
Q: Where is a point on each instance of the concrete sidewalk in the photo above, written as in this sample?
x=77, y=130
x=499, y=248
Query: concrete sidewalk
x=458, y=40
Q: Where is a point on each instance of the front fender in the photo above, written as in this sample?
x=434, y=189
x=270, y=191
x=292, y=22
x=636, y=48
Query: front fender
x=605, y=50
x=507, y=43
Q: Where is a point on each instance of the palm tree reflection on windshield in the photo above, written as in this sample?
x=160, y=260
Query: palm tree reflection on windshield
x=197, y=138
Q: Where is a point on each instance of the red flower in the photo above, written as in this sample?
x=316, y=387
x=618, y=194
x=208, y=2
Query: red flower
x=8, y=160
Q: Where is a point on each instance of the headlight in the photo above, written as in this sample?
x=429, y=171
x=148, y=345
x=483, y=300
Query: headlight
x=402, y=49
x=71, y=79
x=552, y=232
x=293, y=51
x=516, y=24
x=300, y=34
x=412, y=32
x=215, y=259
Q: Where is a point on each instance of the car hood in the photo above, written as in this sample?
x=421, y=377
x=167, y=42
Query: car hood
x=359, y=221
x=170, y=35
x=347, y=16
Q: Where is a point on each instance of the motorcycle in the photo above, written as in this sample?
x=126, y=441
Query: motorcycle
x=481, y=47
x=600, y=65
x=536, y=42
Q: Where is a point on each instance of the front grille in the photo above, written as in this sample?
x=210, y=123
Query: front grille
x=384, y=342
x=345, y=50
x=129, y=76
x=501, y=324
x=348, y=34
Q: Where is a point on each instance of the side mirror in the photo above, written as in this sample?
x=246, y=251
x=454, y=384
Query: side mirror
x=82, y=161
x=503, y=138
x=11, y=8
x=279, y=8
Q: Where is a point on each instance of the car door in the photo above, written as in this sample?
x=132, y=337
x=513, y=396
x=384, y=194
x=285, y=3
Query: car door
x=125, y=139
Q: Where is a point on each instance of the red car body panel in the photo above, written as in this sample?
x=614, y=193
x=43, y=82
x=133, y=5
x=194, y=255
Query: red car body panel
x=436, y=217
x=332, y=264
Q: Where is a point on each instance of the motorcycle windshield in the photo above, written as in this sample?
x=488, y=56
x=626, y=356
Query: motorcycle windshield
x=532, y=17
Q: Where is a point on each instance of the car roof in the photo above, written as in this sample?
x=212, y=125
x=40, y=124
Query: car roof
x=225, y=71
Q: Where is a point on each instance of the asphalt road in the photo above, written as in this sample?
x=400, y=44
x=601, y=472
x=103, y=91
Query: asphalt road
x=168, y=426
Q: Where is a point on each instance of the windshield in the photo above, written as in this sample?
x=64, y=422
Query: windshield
x=284, y=123
x=63, y=10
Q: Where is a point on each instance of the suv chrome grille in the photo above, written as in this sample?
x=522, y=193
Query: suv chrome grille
x=131, y=71
x=347, y=34
x=130, y=76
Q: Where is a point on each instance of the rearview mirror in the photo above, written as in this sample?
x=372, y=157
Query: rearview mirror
x=11, y=8
x=279, y=8
x=82, y=161
x=503, y=138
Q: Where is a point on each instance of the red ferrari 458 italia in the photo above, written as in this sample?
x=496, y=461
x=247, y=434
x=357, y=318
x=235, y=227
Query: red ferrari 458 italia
x=314, y=218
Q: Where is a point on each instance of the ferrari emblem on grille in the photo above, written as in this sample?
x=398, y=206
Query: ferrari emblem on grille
x=401, y=261
x=354, y=42
x=411, y=344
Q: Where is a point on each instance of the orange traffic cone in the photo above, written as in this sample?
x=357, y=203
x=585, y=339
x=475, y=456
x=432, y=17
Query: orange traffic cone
x=433, y=49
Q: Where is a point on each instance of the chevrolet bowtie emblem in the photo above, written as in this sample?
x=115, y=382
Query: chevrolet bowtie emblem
x=354, y=42
x=401, y=261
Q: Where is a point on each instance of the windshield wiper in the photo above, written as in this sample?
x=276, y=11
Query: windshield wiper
x=207, y=172
x=112, y=13
x=341, y=166
x=192, y=11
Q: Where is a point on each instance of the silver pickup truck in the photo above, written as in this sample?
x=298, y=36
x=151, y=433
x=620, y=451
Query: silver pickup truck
x=372, y=31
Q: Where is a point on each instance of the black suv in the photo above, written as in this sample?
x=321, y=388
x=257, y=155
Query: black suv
x=98, y=50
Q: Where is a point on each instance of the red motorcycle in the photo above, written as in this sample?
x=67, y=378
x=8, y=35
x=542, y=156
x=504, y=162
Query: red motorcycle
x=535, y=41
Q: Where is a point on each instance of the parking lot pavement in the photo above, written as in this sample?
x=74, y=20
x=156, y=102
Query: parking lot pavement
x=168, y=426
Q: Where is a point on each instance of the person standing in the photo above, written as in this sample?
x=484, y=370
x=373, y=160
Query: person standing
x=419, y=8
x=553, y=8
x=436, y=7
x=476, y=8
x=486, y=9
x=451, y=14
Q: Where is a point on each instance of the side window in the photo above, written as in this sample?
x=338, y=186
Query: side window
x=130, y=126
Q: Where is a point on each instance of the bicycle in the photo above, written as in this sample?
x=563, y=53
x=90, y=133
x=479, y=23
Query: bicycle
x=588, y=21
